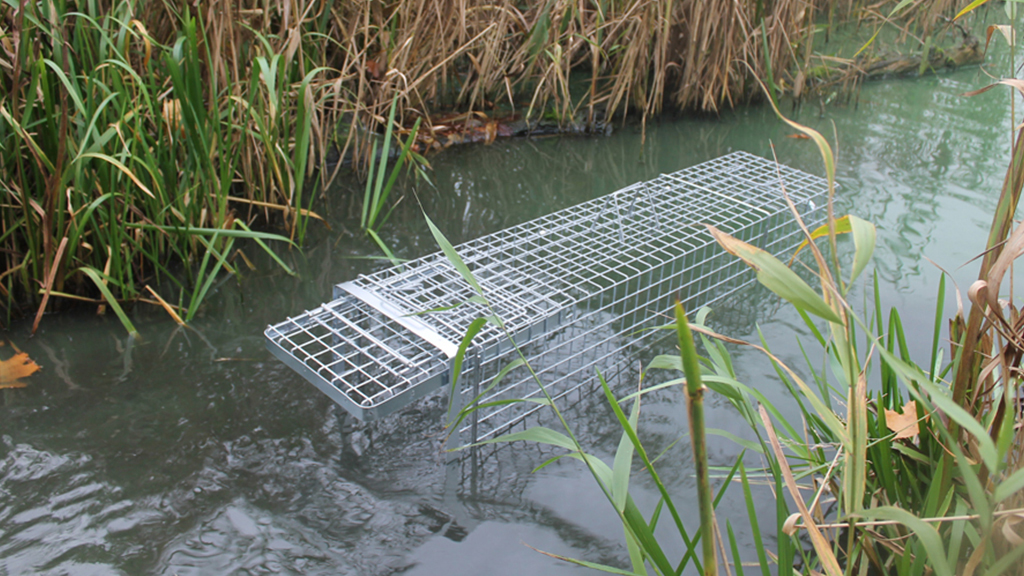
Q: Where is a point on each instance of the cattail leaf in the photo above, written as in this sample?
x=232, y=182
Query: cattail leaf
x=776, y=276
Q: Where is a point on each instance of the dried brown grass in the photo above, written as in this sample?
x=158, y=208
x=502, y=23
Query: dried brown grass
x=469, y=54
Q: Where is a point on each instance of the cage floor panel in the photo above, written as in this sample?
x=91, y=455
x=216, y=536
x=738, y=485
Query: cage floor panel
x=575, y=288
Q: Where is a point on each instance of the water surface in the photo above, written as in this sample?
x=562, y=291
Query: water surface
x=193, y=451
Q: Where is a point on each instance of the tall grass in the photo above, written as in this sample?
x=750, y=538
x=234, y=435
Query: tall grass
x=137, y=128
x=122, y=150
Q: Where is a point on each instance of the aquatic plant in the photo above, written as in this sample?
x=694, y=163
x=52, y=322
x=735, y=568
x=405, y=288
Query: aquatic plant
x=923, y=475
x=138, y=129
x=119, y=157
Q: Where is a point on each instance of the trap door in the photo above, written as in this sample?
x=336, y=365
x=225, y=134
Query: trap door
x=368, y=362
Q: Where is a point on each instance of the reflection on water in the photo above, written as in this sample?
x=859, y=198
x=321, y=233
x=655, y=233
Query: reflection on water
x=192, y=451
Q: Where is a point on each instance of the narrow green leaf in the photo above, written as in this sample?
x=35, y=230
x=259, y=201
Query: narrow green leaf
x=969, y=8
x=95, y=275
x=776, y=276
x=842, y=226
x=384, y=247
x=819, y=140
x=225, y=232
x=636, y=557
x=597, y=465
x=71, y=88
x=645, y=537
x=474, y=328
x=474, y=403
x=737, y=562
x=1012, y=485
x=257, y=238
x=117, y=164
x=755, y=527
x=399, y=163
x=592, y=565
x=472, y=299
x=925, y=532
x=909, y=373
x=1013, y=558
x=368, y=193
x=537, y=434
x=748, y=444
x=622, y=465
x=453, y=256
x=937, y=329
x=864, y=242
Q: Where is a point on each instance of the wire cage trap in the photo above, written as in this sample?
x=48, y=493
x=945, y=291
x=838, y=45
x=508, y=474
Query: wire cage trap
x=576, y=290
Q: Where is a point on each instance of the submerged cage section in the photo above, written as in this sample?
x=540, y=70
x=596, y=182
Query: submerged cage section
x=577, y=290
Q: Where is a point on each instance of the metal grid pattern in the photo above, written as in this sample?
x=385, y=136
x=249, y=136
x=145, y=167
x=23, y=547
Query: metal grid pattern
x=577, y=290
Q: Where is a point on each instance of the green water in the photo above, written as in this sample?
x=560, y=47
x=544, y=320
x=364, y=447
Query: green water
x=193, y=451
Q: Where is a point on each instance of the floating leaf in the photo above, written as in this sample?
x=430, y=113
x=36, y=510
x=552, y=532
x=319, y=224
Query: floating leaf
x=905, y=424
x=14, y=369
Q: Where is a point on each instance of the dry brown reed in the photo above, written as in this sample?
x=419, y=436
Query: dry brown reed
x=242, y=101
x=556, y=57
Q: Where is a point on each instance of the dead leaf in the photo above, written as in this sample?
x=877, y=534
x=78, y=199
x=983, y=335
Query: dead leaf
x=798, y=136
x=1009, y=529
x=905, y=424
x=14, y=369
x=491, y=130
x=789, y=528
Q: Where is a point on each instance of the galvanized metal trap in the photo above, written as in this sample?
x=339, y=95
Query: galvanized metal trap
x=578, y=289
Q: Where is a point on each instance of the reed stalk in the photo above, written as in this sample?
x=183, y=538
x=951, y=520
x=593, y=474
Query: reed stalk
x=125, y=116
x=695, y=410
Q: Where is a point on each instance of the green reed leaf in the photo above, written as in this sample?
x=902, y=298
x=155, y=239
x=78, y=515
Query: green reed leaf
x=776, y=276
x=622, y=465
x=97, y=279
x=925, y=532
x=453, y=256
x=864, y=243
x=538, y=434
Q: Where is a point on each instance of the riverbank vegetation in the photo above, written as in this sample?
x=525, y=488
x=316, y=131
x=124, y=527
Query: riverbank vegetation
x=140, y=139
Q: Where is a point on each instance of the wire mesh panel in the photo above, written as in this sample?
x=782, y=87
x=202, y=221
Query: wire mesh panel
x=575, y=290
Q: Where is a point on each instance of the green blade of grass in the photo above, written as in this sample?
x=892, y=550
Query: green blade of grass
x=96, y=278
x=453, y=256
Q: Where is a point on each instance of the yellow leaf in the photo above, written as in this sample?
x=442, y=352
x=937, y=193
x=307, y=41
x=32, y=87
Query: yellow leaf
x=14, y=368
x=842, y=227
x=905, y=424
